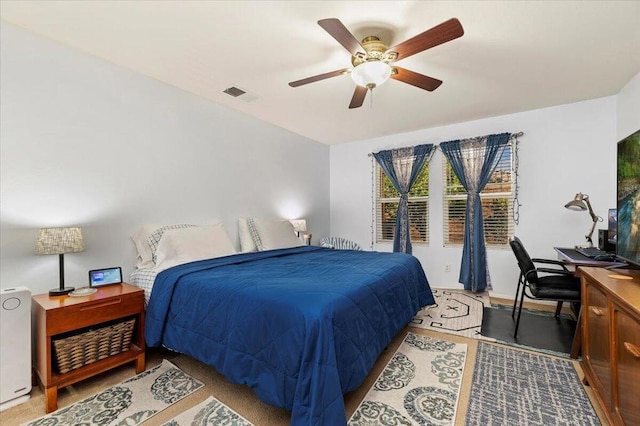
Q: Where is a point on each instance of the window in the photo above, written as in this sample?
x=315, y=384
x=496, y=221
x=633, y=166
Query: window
x=497, y=204
x=387, y=199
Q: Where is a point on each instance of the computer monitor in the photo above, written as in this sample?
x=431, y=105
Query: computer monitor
x=612, y=235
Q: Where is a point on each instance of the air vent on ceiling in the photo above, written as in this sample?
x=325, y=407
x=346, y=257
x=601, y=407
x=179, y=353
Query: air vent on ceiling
x=234, y=91
x=238, y=93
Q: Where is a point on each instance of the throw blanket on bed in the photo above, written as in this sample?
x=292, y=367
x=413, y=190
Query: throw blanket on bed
x=300, y=326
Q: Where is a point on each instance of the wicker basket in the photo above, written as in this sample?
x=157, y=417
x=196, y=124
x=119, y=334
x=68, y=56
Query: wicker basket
x=92, y=345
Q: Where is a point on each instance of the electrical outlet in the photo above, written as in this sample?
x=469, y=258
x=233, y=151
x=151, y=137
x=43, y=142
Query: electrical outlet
x=447, y=268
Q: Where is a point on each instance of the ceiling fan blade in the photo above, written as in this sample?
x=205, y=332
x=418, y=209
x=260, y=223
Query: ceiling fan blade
x=435, y=36
x=318, y=77
x=358, y=97
x=342, y=35
x=416, y=79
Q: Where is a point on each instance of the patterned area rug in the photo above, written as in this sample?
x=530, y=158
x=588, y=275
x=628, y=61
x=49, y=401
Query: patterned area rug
x=419, y=386
x=209, y=412
x=520, y=388
x=455, y=312
x=128, y=403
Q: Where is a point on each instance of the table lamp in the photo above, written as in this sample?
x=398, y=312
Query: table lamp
x=60, y=241
x=581, y=203
x=299, y=225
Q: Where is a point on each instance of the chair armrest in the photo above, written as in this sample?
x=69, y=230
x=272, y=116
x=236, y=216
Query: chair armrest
x=551, y=262
x=555, y=271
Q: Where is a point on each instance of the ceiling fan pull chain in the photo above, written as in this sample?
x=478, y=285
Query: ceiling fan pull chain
x=371, y=98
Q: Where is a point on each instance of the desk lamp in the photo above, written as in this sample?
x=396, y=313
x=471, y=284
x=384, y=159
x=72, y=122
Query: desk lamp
x=581, y=203
x=60, y=241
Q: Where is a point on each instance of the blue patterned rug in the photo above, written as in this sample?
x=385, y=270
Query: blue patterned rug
x=420, y=385
x=128, y=403
x=513, y=387
x=209, y=412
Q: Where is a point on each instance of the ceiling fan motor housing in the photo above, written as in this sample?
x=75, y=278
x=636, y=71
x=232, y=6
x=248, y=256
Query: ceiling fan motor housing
x=375, y=51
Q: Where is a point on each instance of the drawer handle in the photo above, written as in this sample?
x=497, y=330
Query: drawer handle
x=599, y=312
x=101, y=305
x=632, y=349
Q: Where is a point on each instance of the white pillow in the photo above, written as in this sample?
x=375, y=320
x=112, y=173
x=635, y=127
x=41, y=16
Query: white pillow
x=246, y=240
x=145, y=257
x=185, y=245
x=153, y=240
x=275, y=234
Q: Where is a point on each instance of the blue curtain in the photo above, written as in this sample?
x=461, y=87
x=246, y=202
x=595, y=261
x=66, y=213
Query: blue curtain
x=473, y=161
x=402, y=166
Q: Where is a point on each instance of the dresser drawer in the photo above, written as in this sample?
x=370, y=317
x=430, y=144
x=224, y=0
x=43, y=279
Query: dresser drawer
x=597, y=344
x=627, y=332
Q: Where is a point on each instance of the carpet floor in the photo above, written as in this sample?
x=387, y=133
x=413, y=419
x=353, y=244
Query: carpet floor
x=131, y=402
x=239, y=397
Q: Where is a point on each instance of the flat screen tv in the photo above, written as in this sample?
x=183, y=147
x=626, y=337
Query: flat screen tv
x=628, y=206
x=612, y=227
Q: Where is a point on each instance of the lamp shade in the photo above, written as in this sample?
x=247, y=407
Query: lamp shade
x=59, y=241
x=578, y=202
x=371, y=73
x=299, y=225
x=581, y=203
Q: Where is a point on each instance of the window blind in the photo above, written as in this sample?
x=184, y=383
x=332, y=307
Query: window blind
x=497, y=203
x=387, y=199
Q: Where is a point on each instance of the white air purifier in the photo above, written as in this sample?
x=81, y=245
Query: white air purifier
x=15, y=346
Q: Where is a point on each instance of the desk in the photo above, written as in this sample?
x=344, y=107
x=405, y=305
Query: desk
x=573, y=257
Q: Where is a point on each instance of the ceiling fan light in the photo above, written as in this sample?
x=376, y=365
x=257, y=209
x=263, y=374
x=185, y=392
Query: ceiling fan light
x=371, y=74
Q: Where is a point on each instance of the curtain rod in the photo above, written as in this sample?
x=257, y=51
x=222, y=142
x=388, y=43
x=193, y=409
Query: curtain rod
x=513, y=135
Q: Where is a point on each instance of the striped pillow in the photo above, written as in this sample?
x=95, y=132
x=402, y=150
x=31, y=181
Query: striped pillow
x=254, y=233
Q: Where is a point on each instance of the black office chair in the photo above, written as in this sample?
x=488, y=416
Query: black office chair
x=555, y=283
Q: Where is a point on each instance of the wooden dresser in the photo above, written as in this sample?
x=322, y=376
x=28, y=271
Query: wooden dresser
x=611, y=341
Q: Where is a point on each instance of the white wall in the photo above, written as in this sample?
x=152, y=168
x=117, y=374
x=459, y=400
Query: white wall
x=628, y=108
x=85, y=142
x=564, y=150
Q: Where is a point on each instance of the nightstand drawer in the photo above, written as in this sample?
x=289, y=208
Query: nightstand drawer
x=94, y=312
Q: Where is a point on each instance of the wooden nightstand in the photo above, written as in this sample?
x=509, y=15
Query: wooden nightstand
x=57, y=315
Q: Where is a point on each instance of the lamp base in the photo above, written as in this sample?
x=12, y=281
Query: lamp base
x=60, y=291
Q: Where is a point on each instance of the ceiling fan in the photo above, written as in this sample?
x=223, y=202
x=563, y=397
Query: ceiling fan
x=372, y=59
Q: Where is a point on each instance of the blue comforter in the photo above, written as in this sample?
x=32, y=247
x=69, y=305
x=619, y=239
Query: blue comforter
x=300, y=326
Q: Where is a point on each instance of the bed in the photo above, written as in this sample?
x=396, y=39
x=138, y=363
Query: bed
x=301, y=326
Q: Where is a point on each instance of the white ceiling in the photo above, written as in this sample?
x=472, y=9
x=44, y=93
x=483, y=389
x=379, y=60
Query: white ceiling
x=514, y=55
